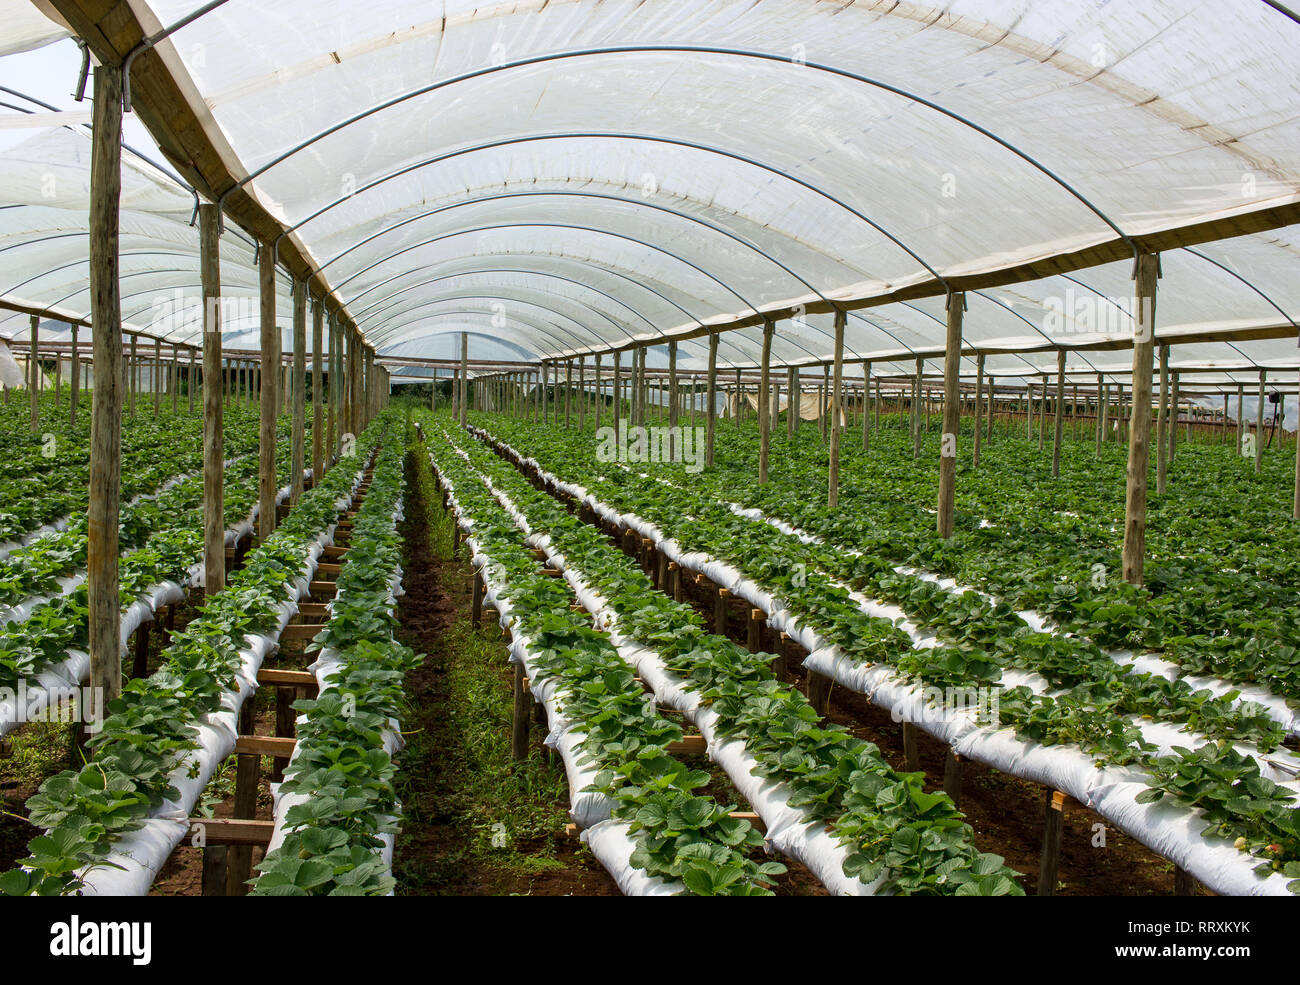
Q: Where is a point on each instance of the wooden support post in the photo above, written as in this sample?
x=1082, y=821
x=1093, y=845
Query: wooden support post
x=464, y=377
x=317, y=383
x=582, y=393
x=911, y=750
x=1053, y=826
x=866, y=410
x=214, y=520
x=476, y=609
x=174, y=377
x=1058, y=422
x=58, y=378
x=1184, y=884
x=1103, y=401
x=711, y=400
x=1162, y=423
x=190, y=377
x=75, y=382
x=819, y=692
x=833, y=478
x=519, y=720
x=1173, y=418
x=952, y=770
x=754, y=631
x=1135, y=511
x=34, y=373
x=764, y=418
x=988, y=437
x=134, y=377
x=720, y=612
x=267, y=484
x=979, y=408
x=1259, y=426
x=285, y=726
x=213, y=878
x=791, y=406
x=674, y=439
x=140, y=667
x=298, y=461
x=951, y=414
x=616, y=387
x=1241, y=417
x=1042, y=417
x=916, y=409
x=568, y=390
x=155, y=373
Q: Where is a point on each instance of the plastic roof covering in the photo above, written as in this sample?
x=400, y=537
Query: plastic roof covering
x=44, y=242
x=552, y=205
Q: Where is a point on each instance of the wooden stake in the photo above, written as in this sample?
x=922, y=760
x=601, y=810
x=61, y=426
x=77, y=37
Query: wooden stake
x=519, y=720
x=952, y=770
x=1051, y=856
x=979, y=407
x=911, y=751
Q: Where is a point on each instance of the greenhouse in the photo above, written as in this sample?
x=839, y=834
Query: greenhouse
x=684, y=447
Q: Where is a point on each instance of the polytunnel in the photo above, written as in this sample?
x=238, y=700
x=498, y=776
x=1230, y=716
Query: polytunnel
x=980, y=314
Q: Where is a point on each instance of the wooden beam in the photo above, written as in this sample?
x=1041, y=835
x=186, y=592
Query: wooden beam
x=264, y=745
x=1162, y=423
x=232, y=830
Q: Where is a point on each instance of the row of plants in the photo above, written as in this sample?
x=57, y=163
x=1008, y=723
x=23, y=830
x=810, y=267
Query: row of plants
x=342, y=766
x=35, y=569
x=1089, y=713
x=679, y=833
x=150, y=736
x=164, y=551
x=1223, y=554
x=45, y=477
x=914, y=842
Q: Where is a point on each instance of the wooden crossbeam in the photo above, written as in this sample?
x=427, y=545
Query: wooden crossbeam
x=264, y=745
x=232, y=831
x=301, y=630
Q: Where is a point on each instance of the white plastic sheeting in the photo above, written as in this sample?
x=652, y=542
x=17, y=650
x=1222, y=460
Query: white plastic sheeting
x=570, y=177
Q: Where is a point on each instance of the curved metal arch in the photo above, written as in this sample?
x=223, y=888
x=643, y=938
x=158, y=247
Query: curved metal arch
x=587, y=195
x=695, y=49
x=523, y=353
x=86, y=261
x=555, y=225
x=381, y=334
x=540, y=330
x=523, y=272
x=544, y=225
x=560, y=257
x=651, y=138
x=485, y=297
x=1245, y=280
x=1019, y=355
